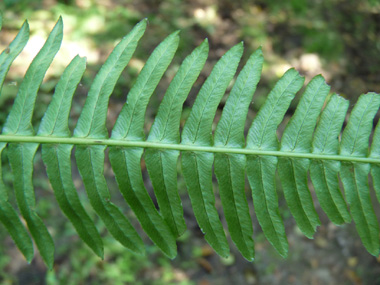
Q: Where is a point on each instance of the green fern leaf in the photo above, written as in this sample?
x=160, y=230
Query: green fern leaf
x=297, y=138
x=304, y=148
x=57, y=157
x=375, y=153
x=355, y=175
x=11, y=52
x=9, y=218
x=162, y=164
x=126, y=161
x=21, y=160
x=197, y=166
x=324, y=173
x=21, y=155
x=261, y=169
x=230, y=168
x=91, y=123
x=20, y=117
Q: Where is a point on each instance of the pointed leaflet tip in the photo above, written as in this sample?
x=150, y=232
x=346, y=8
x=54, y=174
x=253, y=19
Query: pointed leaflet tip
x=238, y=47
x=19, y=119
x=59, y=23
x=320, y=76
x=174, y=34
x=143, y=23
x=240, y=44
x=26, y=25
x=13, y=50
x=205, y=45
x=59, y=33
x=104, y=83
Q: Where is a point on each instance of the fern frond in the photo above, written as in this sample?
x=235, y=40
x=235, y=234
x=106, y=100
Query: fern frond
x=9, y=218
x=10, y=53
x=92, y=123
x=162, y=164
x=306, y=147
x=57, y=157
x=354, y=176
x=197, y=166
x=297, y=138
x=19, y=122
x=230, y=168
x=126, y=161
x=324, y=173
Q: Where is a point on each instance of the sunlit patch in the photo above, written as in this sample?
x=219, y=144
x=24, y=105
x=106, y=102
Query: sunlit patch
x=310, y=62
x=206, y=16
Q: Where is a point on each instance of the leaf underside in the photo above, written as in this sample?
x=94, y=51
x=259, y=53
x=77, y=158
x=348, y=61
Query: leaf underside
x=309, y=146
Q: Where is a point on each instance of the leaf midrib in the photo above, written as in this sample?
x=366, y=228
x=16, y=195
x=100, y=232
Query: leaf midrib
x=279, y=244
x=305, y=117
x=327, y=135
x=181, y=147
x=210, y=94
x=32, y=81
x=105, y=79
x=368, y=228
x=232, y=123
x=167, y=197
x=234, y=206
x=300, y=205
x=329, y=190
x=67, y=200
x=174, y=99
x=273, y=107
x=161, y=57
x=360, y=126
x=62, y=100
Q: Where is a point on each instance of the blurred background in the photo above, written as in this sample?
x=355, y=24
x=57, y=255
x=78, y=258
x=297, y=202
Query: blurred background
x=338, y=38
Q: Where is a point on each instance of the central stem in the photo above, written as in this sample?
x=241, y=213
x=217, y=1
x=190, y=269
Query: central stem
x=181, y=147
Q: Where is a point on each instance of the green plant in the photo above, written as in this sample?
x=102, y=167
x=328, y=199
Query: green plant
x=303, y=148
